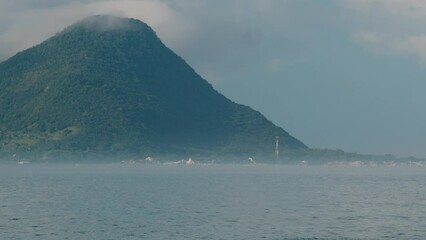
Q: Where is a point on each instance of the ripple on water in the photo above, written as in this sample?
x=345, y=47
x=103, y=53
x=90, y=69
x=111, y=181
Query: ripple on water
x=109, y=202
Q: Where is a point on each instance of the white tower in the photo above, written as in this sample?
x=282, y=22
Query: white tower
x=277, y=151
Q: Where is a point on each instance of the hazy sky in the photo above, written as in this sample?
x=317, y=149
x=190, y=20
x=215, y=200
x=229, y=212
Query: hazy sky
x=336, y=74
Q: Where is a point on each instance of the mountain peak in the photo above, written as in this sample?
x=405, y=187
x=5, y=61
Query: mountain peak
x=109, y=22
x=108, y=85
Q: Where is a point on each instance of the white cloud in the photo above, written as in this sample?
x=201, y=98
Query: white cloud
x=413, y=45
x=391, y=26
x=406, y=8
x=217, y=38
x=169, y=24
x=24, y=27
x=277, y=64
x=367, y=37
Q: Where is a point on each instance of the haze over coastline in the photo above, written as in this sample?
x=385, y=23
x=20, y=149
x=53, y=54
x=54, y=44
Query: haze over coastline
x=327, y=71
x=212, y=119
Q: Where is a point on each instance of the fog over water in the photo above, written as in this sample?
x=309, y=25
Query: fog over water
x=334, y=74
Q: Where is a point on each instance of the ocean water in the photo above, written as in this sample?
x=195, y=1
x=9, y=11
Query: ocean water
x=113, y=201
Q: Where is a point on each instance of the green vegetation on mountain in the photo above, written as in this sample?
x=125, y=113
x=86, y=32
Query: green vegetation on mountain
x=108, y=85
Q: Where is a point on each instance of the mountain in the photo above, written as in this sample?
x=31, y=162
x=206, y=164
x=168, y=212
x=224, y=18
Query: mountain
x=108, y=86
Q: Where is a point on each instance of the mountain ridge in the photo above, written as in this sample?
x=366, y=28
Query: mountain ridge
x=109, y=85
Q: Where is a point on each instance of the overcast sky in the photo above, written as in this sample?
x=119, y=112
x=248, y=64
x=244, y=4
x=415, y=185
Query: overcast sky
x=335, y=74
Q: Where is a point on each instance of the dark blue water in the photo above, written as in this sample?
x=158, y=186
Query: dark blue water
x=211, y=202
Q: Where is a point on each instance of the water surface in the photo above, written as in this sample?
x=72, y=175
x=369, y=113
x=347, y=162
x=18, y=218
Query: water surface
x=113, y=201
